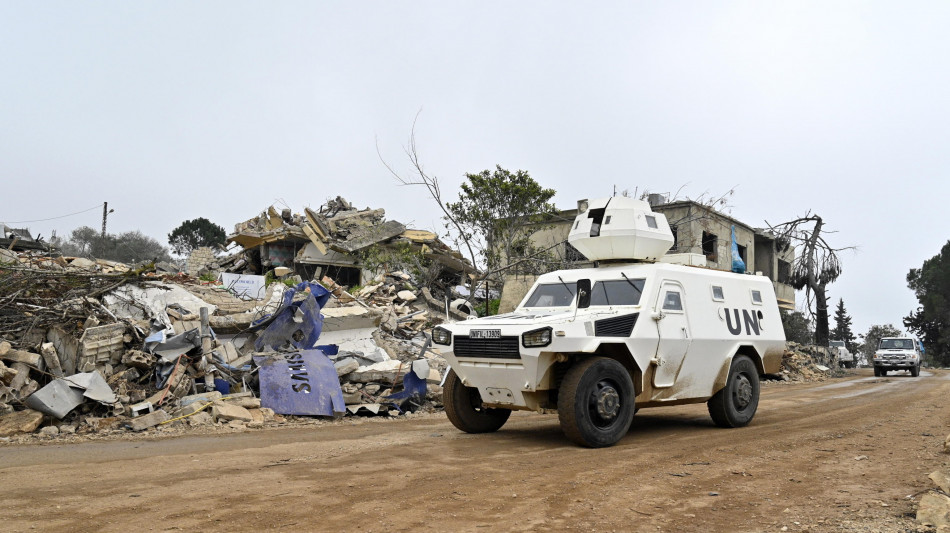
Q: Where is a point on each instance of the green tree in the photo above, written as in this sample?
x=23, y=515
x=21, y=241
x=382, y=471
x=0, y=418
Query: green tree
x=136, y=247
x=128, y=247
x=495, y=208
x=196, y=233
x=931, y=320
x=842, y=330
x=872, y=338
x=797, y=327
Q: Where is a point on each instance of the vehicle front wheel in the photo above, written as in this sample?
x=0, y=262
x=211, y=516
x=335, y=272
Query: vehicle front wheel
x=915, y=371
x=883, y=372
x=596, y=402
x=877, y=372
x=463, y=406
x=735, y=405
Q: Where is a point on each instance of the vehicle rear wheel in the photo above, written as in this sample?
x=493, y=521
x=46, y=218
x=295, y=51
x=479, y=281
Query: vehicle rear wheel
x=915, y=371
x=596, y=402
x=463, y=406
x=735, y=405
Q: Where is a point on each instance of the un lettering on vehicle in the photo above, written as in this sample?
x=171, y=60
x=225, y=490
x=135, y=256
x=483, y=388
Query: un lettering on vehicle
x=747, y=319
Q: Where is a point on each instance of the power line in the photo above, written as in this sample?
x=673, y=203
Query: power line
x=53, y=218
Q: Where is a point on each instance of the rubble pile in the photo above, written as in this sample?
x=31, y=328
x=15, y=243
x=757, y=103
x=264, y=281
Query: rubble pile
x=807, y=363
x=329, y=238
x=89, y=345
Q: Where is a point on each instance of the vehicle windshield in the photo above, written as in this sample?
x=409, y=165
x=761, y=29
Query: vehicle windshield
x=551, y=295
x=617, y=292
x=896, y=344
x=837, y=344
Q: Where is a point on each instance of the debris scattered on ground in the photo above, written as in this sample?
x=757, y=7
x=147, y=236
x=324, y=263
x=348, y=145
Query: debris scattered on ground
x=807, y=363
x=934, y=507
x=88, y=346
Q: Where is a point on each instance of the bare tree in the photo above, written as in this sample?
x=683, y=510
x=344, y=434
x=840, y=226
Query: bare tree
x=816, y=265
x=463, y=233
x=431, y=183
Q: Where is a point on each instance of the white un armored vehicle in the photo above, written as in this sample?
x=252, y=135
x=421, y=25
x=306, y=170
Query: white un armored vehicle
x=597, y=344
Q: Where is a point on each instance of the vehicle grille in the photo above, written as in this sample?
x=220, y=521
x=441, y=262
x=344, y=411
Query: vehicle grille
x=503, y=348
x=618, y=326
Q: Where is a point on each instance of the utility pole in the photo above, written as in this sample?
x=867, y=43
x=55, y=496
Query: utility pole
x=105, y=214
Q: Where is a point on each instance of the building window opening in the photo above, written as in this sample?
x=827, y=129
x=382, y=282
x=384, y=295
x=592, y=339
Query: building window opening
x=784, y=272
x=710, y=245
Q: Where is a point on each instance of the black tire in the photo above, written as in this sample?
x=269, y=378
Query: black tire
x=915, y=371
x=883, y=372
x=735, y=405
x=596, y=402
x=463, y=406
x=877, y=372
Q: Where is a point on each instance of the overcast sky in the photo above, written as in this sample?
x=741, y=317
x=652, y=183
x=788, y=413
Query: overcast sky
x=177, y=110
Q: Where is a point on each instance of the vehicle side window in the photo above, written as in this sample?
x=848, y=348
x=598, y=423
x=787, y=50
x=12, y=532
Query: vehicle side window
x=756, y=297
x=717, y=293
x=672, y=301
x=551, y=295
x=617, y=292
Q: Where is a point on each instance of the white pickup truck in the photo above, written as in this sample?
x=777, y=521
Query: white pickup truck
x=898, y=353
x=845, y=357
x=597, y=344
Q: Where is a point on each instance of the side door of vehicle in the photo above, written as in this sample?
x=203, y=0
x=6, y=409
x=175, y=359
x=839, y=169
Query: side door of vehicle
x=673, y=332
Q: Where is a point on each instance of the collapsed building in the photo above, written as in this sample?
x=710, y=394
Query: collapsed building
x=89, y=345
x=336, y=241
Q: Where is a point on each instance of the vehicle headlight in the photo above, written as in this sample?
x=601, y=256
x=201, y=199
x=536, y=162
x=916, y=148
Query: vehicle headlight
x=877, y=356
x=537, y=338
x=442, y=336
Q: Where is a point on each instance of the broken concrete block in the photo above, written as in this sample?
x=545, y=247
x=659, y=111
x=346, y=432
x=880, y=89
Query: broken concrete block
x=256, y=416
x=4, y=348
x=150, y=420
x=25, y=421
x=138, y=359
x=141, y=408
x=67, y=348
x=941, y=479
x=20, y=356
x=246, y=402
x=22, y=376
x=406, y=296
x=934, y=510
x=268, y=414
x=49, y=431
x=191, y=408
x=202, y=418
x=352, y=398
x=83, y=263
x=100, y=344
x=223, y=411
x=345, y=366
x=385, y=372
x=203, y=397
x=6, y=373
x=51, y=359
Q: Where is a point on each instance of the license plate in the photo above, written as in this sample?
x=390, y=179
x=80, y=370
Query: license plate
x=484, y=334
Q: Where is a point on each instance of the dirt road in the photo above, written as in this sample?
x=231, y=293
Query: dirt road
x=848, y=454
